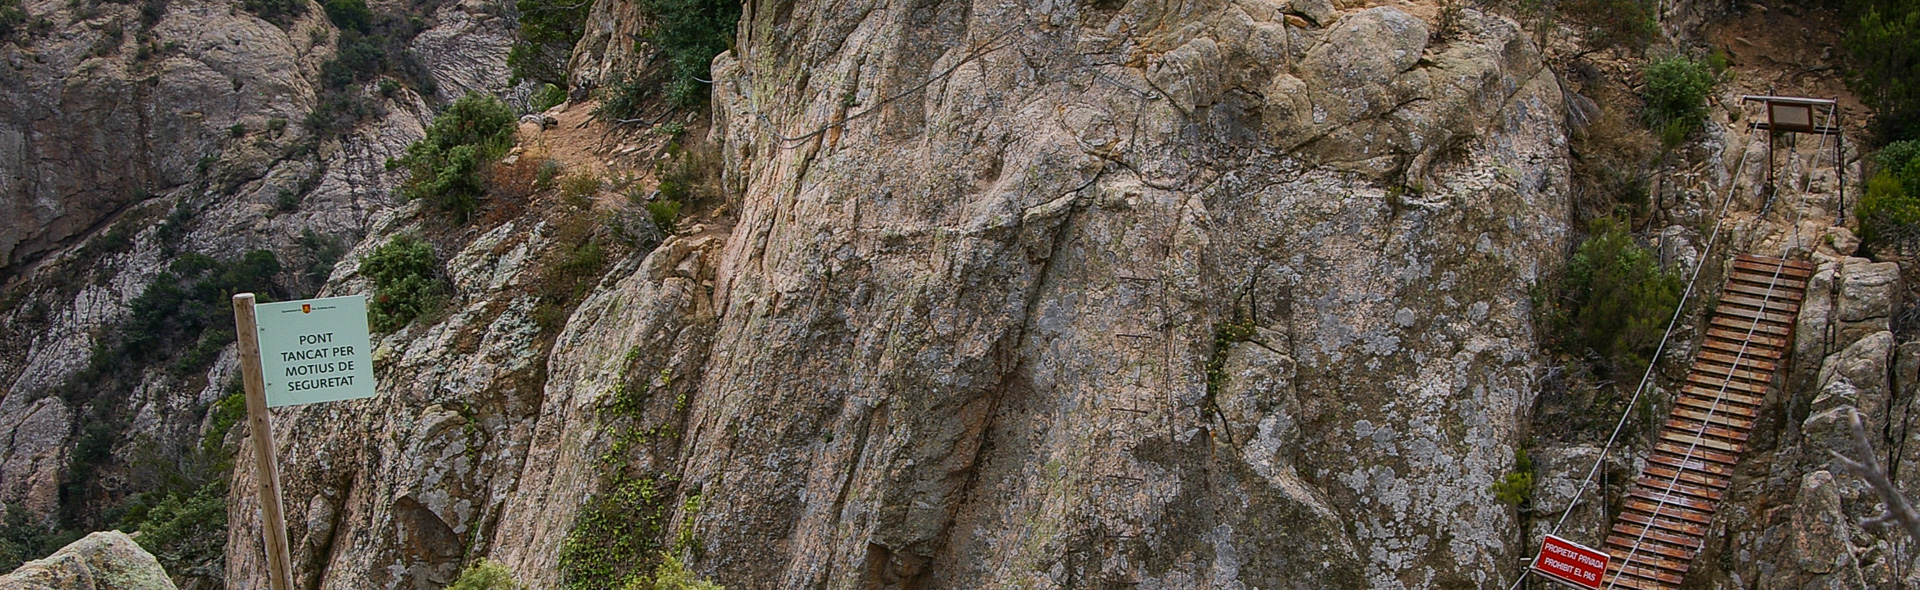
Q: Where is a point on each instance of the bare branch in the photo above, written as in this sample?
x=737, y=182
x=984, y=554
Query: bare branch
x=1899, y=510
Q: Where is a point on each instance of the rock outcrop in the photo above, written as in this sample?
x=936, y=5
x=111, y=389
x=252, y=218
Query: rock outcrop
x=961, y=333
x=101, y=561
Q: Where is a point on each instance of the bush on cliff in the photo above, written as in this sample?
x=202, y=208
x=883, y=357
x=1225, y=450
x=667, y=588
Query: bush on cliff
x=445, y=167
x=1889, y=212
x=1884, y=42
x=1614, y=301
x=406, y=283
x=1676, y=93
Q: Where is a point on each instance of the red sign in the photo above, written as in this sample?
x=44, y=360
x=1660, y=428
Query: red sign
x=1570, y=562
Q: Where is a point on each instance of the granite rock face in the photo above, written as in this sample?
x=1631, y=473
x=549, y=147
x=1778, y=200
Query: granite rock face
x=960, y=333
x=101, y=561
x=982, y=310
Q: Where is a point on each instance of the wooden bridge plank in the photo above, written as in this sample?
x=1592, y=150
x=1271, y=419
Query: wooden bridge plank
x=1749, y=315
x=1696, y=464
x=1707, y=442
x=1763, y=369
x=1699, y=453
x=1741, y=327
x=1722, y=418
x=1709, y=383
x=1695, y=427
x=1730, y=404
x=1762, y=292
x=1769, y=268
x=1697, y=478
x=1637, y=531
x=1761, y=339
x=1765, y=281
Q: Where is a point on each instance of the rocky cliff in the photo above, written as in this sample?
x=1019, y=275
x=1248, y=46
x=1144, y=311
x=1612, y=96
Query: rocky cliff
x=133, y=135
x=1217, y=294
x=961, y=330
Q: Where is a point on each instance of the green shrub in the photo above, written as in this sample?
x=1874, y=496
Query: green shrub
x=350, y=15
x=689, y=33
x=1627, y=24
x=486, y=574
x=185, y=531
x=548, y=97
x=1889, y=212
x=624, y=98
x=664, y=213
x=580, y=185
x=445, y=166
x=615, y=536
x=1516, y=487
x=22, y=540
x=1676, y=93
x=671, y=575
x=278, y=12
x=406, y=283
x=1885, y=45
x=544, y=176
x=1614, y=301
x=13, y=14
x=548, y=31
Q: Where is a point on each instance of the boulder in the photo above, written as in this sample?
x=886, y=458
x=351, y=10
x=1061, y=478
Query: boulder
x=1869, y=294
x=102, y=561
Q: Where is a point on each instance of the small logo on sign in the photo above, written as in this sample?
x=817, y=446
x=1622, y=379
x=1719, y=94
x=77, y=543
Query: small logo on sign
x=306, y=308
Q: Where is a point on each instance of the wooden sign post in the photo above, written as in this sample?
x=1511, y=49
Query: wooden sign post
x=266, y=473
x=295, y=352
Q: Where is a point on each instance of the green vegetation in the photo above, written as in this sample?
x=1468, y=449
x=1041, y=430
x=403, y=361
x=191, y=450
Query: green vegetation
x=486, y=574
x=664, y=213
x=406, y=283
x=372, y=46
x=445, y=166
x=1676, y=93
x=350, y=15
x=1624, y=24
x=1614, y=301
x=671, y=575
x=181, y=322
x=548, y=30
x=278, y=12
x=688, y=33
x=1516, y=487
x=185, y=531
x=1889, y=212
x=21, y=540
x=616, y=535
x=1884, y=42
x=322, y=253
x=13, y=15
x=1225, y=335
x=548, y=97
x=579, y=186
x=568, y=270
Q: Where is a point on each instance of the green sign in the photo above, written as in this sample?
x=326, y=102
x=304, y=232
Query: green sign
x=315, y=350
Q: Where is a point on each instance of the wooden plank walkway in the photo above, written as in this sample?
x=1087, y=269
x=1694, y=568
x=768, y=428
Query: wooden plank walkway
x=1667, y=511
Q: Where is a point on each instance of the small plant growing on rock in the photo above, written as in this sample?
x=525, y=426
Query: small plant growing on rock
x=671, y=575
x=486, y=574
x=406, y=283
x=579, y=187
x=1516, y=487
